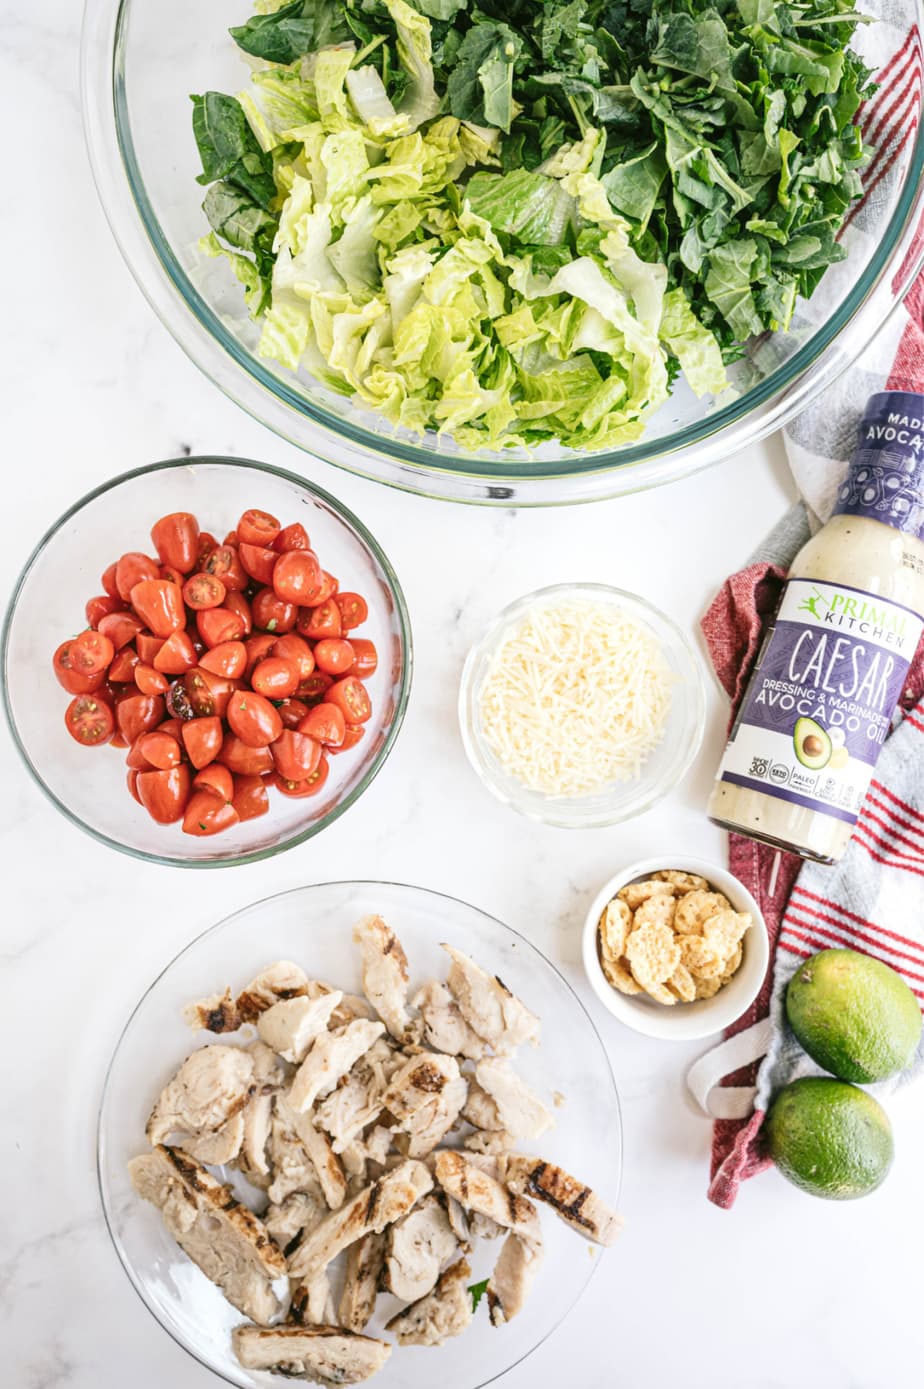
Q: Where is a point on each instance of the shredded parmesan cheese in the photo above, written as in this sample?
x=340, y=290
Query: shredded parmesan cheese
x=577, y=695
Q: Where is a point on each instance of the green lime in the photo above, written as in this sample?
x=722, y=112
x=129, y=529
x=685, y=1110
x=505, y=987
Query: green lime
x=829, y=1138
x=854, y=1015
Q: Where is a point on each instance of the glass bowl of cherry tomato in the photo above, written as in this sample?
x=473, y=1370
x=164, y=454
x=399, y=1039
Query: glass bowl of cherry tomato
x=206, y=661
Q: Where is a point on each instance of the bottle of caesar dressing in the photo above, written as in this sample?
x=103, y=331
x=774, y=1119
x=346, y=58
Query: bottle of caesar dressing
x=831, y=669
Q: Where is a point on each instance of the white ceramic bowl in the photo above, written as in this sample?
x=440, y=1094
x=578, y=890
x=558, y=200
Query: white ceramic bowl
x=684, y=1022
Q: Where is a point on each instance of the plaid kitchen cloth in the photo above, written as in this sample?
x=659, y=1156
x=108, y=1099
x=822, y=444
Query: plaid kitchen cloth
x=870, y=901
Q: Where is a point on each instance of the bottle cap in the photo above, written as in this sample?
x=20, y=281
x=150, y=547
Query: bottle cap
x=885, y=479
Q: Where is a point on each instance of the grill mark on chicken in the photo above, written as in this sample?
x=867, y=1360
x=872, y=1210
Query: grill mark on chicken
x=499, y=980
x=545, y=1184
x=372, y=1204
x=429, y=1079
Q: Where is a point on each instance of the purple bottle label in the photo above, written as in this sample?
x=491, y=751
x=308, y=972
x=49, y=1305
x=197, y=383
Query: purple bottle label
x=885, y=481
x=820, y=703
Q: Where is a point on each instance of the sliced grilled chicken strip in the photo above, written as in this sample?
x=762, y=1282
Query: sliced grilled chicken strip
x=488, y=1006
x=278, y=981
x=212, y=1085
x=331, y=1056
x=268, y=1075
x=492, y=1142
x=321, y=1354
x=364, y=1260
x=384, y=966
x=318, y=1147
x=481, y=1192
x=291, y=1167
x=287, y=1219
x=443, y=1313
x=217, y=1013
x=519, y=1110
x=375, y=1207
x=480, y=1110
x=228, y=1242
x=357, y=1100
x=221, y=1145
x=510, y=1284
x=426, y=1096
x=312, y=1304
x=289, y=1027
x=577, y=1205
x=418, y=1247
x=444, y=1028
x=458, y=1220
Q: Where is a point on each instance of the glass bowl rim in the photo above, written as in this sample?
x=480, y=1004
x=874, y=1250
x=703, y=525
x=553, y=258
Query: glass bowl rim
x=695, y=688
x=403, y=685
x=349, y=883
x=402, y=463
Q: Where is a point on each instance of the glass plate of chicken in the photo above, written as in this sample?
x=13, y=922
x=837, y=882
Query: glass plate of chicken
x=360, y=1130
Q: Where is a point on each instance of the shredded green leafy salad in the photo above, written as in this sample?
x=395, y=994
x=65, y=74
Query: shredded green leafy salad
x=516, y=221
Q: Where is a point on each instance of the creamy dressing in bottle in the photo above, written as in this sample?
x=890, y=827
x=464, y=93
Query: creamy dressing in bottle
x=831, y=670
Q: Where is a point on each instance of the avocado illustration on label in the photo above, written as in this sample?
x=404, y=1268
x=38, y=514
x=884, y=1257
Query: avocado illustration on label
x=812, y=744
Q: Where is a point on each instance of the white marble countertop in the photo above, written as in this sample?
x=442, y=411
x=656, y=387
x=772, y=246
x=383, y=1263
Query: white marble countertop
x=784, y=1290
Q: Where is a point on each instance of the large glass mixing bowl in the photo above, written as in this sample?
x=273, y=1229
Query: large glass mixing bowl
x=140, y=61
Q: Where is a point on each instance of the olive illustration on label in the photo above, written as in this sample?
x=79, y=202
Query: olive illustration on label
x=812, y=744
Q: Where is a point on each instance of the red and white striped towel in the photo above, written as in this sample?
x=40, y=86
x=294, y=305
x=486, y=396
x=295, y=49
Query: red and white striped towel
x=871, y=900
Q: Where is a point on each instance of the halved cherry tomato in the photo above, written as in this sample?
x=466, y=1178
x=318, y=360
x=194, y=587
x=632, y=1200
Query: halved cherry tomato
x=275, y=678
x=253, y=719
x=225, y=563
x=149, y=680
x=272, y=613
x=132, y=569
x=137, y=714
x=326, y=724
x=293, y=537
x=309, y=787
x=215, y=777
x=202, y=739
x=208, y=814
x=91, y=652
x=202, y=591
x=209, y=693
x=258, y=647
x=353, y=610
x=296, y=650
x=257, y=528
x=350, y=696
x=176, y=655
x=238, y=757
x=329, y=586
x=89, y=719
x=178, y=702
x=292, y=711
x=101, y=607
x=108, y=580
x=334, y=655
x=124, y=666
x=206, y=544
x=237, y=603
x=160, y=749
x=365, y=658
x=321, y=621
x=315, y=687
x=147, y=647
x=176, y=540
x=164, y=793
x=295, y=756
x=159, y=604
x=250, y=797
x=258, y=561
x=72, y=680
x=353, y=734
x=297, y=576
x=132, y=780
x=120, y=628
x=217, y=625
x=228, y=659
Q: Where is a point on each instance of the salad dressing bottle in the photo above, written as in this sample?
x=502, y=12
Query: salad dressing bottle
x=820, y=701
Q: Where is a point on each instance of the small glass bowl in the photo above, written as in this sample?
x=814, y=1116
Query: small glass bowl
x=618, y=800
x=88, y=785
